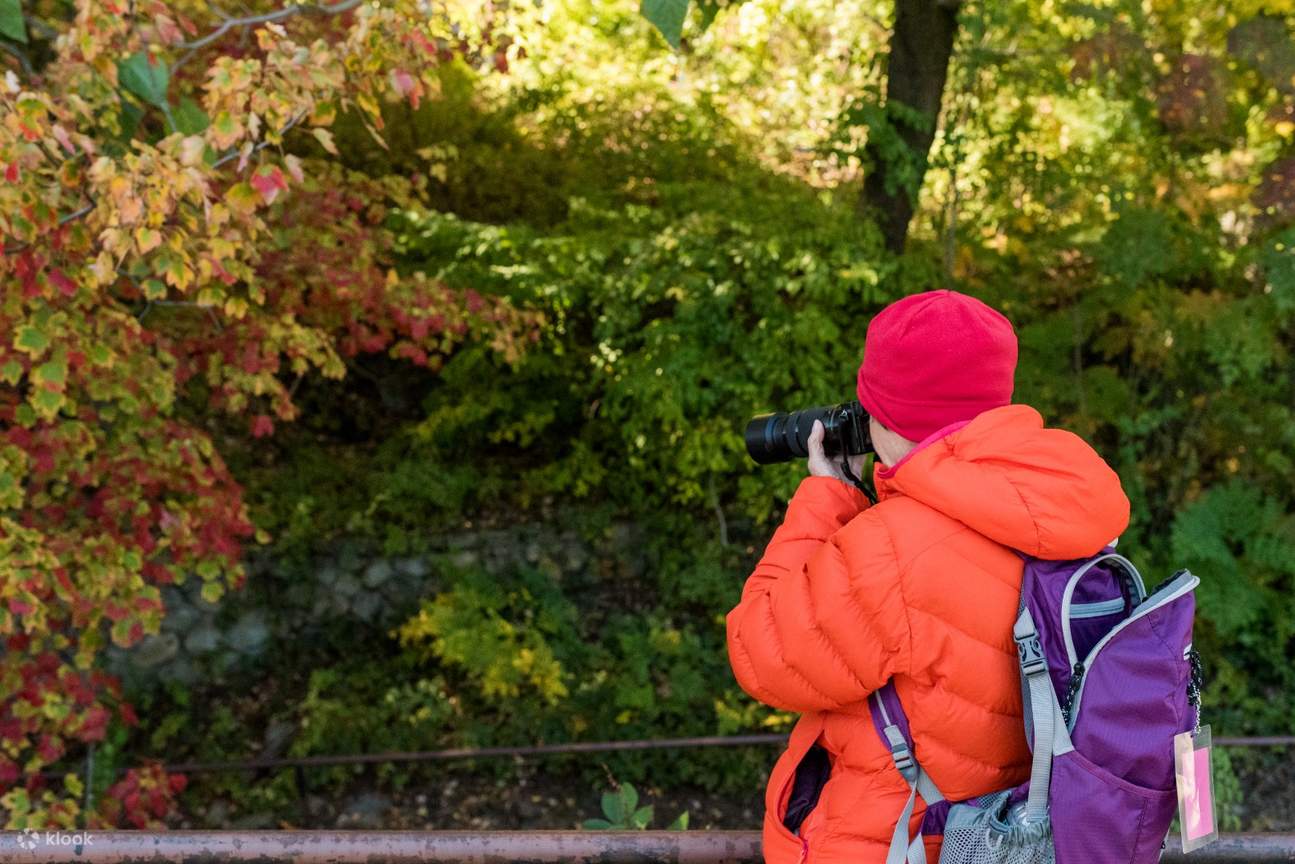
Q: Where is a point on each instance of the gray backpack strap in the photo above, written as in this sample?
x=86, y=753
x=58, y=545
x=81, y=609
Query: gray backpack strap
x=1045, y=725
x=902, y=850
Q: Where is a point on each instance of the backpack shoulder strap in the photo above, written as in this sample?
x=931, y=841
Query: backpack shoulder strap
x=888, y=722
x=1045, y=726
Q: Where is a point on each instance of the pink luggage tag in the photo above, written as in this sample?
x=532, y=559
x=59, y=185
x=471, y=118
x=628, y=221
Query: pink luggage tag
x=1194, y=771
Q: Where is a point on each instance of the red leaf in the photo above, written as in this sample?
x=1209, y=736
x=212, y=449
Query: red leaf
x=262, y=426
x=11, y=173
x=49, y=749
x=269, y=182
x=224, y=275
x=407, y=85
x=94, y=724
x=402, y=81
x=61, y=575
x=64, y=284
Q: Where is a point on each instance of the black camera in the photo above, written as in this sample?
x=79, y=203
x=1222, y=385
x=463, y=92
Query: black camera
x=774, y=438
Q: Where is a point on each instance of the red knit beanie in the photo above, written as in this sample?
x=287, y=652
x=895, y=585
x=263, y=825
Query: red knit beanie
x=933, y=359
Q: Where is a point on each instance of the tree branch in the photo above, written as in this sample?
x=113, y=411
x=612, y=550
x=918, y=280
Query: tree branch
x=228, y=24
x=260, y=145
x=21, y=56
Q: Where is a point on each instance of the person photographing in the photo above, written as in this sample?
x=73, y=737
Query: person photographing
x=919, y=589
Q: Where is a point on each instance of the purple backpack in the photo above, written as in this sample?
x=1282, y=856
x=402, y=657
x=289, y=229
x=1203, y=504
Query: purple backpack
x=1108, y=678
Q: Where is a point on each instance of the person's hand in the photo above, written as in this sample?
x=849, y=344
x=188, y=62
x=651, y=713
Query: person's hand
x=822, y=466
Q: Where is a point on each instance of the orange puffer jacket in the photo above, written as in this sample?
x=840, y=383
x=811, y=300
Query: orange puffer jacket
x=921, y=587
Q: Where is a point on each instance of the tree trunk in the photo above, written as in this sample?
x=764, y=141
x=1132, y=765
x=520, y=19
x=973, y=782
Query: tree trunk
x=920, y=48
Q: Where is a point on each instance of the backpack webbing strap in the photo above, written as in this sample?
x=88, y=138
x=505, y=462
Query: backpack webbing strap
x=902, y=851
x=1044, y=724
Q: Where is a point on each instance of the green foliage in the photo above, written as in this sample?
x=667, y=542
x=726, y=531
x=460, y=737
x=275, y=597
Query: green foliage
x=1228, y=794
x=686, y=222
x=344, y=712
x=1243, y=542
x=675, y=321
x=145, y=76
x=885, y=122
x=667, y=16
x=620, y=806
x=469, y=628
x=12, y=23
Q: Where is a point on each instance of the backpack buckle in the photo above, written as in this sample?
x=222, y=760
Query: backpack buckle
x=1030, y=652
x=903, y=758
x=900, y=752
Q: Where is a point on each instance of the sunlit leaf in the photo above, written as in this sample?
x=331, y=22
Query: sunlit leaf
x=668, y=17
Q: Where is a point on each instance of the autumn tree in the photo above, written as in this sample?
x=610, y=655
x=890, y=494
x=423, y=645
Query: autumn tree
x=182, y=241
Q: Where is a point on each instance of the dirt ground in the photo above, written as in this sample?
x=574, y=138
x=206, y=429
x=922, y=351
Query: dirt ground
x=536, y=799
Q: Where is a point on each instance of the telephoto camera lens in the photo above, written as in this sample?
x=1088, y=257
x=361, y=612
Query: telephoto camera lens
x=778, y=437
x=781, y=437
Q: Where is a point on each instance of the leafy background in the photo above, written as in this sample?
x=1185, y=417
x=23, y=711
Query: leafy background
x=492, y=552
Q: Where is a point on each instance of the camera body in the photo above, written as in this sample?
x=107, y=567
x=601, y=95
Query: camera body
x=781, y=437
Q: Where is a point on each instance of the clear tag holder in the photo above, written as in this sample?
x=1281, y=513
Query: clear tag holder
x=1194, y=773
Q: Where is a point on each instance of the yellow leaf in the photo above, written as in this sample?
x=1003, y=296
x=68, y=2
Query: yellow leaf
x=242, y=198
x=325, y=139
x=191, y=150
x=102, y=269
x=73, y=785
x=368, y=105
x=129, y=210
x=147, y=239
x=235, y=307
x=294, y=167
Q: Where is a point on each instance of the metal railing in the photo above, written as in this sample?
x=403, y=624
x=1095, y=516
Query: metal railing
x=463, y=847
x=534, y=750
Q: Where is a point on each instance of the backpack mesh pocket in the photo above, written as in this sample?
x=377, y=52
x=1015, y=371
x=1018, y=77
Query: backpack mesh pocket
x=985, y=831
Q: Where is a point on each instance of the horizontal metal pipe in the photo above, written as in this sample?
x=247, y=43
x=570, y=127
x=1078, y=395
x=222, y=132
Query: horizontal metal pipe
x=463, y=847
x=478, y=753
x=1257, y=741
x=555, y=750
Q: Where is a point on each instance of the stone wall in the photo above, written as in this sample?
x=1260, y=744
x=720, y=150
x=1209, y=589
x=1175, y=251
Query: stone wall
x=352, y=588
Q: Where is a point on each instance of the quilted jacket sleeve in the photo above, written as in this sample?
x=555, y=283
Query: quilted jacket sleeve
x=822, y=622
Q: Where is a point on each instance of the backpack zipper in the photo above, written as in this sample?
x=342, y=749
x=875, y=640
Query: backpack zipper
x=1136, y=586
x=1098, y=609
x=1179, y=586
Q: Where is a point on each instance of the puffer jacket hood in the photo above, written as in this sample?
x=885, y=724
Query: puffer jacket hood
x=1006, y=477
